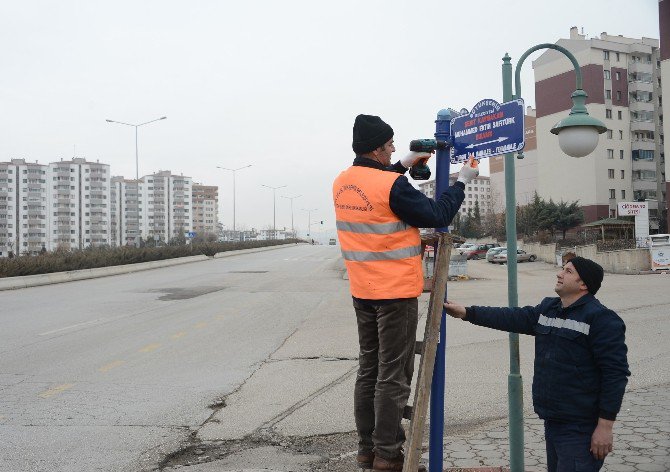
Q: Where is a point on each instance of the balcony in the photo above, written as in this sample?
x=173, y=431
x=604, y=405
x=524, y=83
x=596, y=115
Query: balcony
x=640, y=66
x=641, y=105
x=638, y=125
x=640, y=86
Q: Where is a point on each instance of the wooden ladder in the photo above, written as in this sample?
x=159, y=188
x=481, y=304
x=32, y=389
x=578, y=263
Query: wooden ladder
x=427, y=349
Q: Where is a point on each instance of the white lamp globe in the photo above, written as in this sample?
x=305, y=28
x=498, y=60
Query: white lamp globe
x=578, y=141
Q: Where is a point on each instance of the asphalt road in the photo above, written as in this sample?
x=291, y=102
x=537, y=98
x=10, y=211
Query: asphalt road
x=114, y=373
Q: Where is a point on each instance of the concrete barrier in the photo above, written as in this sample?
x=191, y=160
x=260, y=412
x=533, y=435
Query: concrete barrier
x=625, y=261
x=13, y=283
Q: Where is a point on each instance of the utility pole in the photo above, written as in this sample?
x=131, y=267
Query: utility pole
x=292, y=198
x=274, y=207
x=233, y=171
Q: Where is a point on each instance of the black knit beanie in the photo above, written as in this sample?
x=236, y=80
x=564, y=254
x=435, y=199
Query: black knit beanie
x=590, y=273
x=370, y=132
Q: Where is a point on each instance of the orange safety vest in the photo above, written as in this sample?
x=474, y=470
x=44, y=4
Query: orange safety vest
x=382, y=253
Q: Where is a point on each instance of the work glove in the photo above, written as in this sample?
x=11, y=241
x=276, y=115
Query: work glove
x=469, y=171
x=412, y=158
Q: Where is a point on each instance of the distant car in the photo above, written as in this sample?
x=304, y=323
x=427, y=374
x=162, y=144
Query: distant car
x=521, y=256
x=479, y=251
x=465, y=247
x=492, y=252
x=332, y=241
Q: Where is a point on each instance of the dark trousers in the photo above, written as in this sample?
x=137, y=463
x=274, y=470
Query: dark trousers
x=386, y=336
x=568, y=447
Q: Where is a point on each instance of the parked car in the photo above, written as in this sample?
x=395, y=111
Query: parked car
x=521, y=256
x=464, y=247
x=492, y=252
x=479, y=251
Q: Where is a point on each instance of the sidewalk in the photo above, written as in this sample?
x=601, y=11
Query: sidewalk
x=641, y=439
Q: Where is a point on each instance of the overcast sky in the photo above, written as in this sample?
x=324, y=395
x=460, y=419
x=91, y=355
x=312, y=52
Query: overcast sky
x=275, y=84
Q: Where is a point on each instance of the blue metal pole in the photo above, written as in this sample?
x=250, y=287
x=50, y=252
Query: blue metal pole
x=436, y=440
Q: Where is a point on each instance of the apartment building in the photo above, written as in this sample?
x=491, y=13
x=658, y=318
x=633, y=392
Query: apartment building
x=79, y=204
x=167, y=205
x=125, y=207
x=622, y=77
x=664, y=28
x=525, y=170
x=478, y=190
x=205, y=209
x=24, y=226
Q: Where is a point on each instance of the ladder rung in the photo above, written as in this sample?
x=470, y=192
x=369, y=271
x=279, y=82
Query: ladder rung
x=407, y=412
x=418, y=347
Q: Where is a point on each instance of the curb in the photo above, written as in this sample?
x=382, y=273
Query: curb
x=25, y=281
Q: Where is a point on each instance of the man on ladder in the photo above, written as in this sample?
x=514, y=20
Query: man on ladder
x=378, y=214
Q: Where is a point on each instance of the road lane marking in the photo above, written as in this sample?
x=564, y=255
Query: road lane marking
x=150, y=347
x=178, y=335
x=110, y=366
x=74, y=326
x=56, y=390
x=200, y=325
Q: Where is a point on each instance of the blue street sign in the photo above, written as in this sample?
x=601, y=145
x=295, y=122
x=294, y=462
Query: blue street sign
x=191, y=234
x=490, y=129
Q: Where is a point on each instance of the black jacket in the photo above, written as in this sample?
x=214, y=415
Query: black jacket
x=413, y=207
x=581, y=368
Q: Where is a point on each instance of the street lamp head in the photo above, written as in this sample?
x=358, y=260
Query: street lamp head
x=578, y=133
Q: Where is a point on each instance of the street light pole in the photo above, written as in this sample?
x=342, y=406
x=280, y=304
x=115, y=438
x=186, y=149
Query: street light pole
x=309, y=219
x=291, y=198
x=578, y=137
x=274, y=206
x=233, y=171
x=137, y=159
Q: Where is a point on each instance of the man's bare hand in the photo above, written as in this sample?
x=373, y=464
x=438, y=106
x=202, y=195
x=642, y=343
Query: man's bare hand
x=455, y=310
x=602, y=439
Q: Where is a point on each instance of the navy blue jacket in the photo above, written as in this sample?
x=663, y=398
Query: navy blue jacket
x=413, y=207
x=581, y=368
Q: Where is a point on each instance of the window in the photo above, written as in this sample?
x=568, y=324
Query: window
x=619, y=114
x=623, y=194
x=617, y=58
x=609, y=134
x=608, y=76
x=623, y=173
x=617, y=75
x=620, y=135
x=610, y=173
x=608, y=113
x=643, y=155
x=610, y=153
x=618, y=95
x=606, y=55
x=612, y=193
x=621, y=154
x=608, y=94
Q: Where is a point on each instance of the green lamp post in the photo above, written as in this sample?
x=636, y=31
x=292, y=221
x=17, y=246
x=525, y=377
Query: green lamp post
x=577, y=137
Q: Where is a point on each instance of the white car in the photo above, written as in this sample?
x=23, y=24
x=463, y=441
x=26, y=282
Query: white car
x=463, y=248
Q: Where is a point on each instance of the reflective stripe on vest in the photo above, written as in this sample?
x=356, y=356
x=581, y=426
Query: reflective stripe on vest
x=366, y=228
x=364, y=256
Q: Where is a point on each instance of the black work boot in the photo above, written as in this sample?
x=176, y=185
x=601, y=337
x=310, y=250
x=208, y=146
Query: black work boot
x=365, y=459
x=380, y=464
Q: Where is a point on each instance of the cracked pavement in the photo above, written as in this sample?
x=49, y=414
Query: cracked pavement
x=259, y=375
